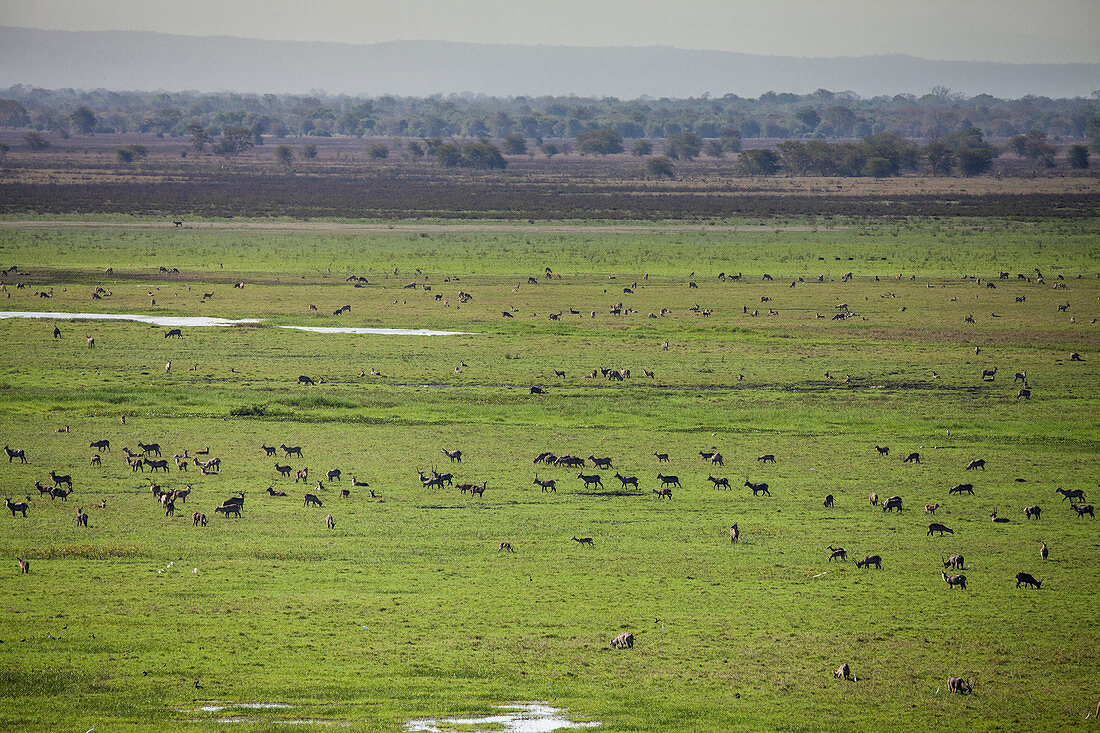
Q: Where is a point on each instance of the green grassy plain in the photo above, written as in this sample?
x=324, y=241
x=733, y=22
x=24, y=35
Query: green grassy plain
x=272, y=607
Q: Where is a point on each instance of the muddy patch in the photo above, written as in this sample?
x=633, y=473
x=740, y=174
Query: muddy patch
x=517, y=718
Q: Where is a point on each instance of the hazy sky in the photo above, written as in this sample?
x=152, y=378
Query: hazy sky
x=978, y=30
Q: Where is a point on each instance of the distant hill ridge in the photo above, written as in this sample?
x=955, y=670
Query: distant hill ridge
x=130, y=60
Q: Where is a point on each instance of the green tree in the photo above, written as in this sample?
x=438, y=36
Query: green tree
x=130, y=153
x=514, y=145
x=642, y=148
x=35, y=141
x=1078, y=156
x=809, y=118
x=660, y=166
x=940, y=157
x=13, y=114
x=284, y=156
x=758, y=162
x=731, y=140
x=200, y=138
x=415, y=149
x=715, y=149
x=83, y=120
x=1092, y=130
x=604, y=141
x=974, y=161
x=483, y=156
x=686, y=145
x=549, y=149
x=448, y=155
x=309, y=151
x=233, y=142
x=378, y=151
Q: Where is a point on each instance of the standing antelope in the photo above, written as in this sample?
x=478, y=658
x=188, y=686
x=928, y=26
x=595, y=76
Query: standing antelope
x=954, y=580
x=582, y=540
x=735, y=533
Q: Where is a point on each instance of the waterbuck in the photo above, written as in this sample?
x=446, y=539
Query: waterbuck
x=870, y=560
x=669, y=480
x=1032, y=512
x=582, y=540
x=311, y=499
x=766, y=458
x=912, y=458
x=1028, y=579
x=627, y=480
x=16, y=507
x=624, y=640
x=661, y=457
x=955, y=561
x=1083, y=509
x=828, y=503
x=941, y=528
x=99, y=445
x=547, y=484
x=721, y=482
x=976, y=463
x=735, y=533
x=15, y=453
x=62, y=479
x=283, y=470
x=663, y=493
x=959, y=488
x=889, y=505
x=593, y=480
x=838, y=553
x=1074, y=495
x=954, y=580
x=757, y=489
x=843, y=672
x=454, y=455
x=291, y=450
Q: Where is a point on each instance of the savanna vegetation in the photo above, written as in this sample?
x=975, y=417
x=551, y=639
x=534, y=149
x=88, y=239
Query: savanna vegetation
x=758, y=343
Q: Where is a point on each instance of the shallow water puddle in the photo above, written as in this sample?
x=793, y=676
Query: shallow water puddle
x=524, y=718
x=184, y=321
x=249, y=705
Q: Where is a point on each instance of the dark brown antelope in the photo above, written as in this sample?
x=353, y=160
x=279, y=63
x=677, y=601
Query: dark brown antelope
x=889, y=505
x=302, y=475
x=330, y=522
x=283, y=470
x=227, y=509
x=721, y=482
x=766, y=458
x=661, y=457
x=160, y=464
x=505, y=546
x=477, y=490
x=912, y=458
x=1028, y=579
x=546, y=484
x=604, y=463
x=345, y=493
x=99, y=445
x=198, y=518
x=839, y=553
x=1074, y=495
x=16, y=507
x=333, y=474
x=735, y=533
x=268, y=449
x=583, y=540
x=955, y=561
x=959, y=685
x=954, y=581
x=976, y=463
x=989, y=375
x=291, y=450
x=997, y=520
x=960, y=488
x=272, y=492
x=454, y=455
x=593, y=480
x=15, y=453
x=1083, y=509
x=24, y=565
x=828, y=503
x=663, y=493
x=1032, y=512
x=870, y=560
x=941, y=528
x=873, y=498
x=931, y=508
x=62, y=479
x=757, y=489
x=883, y=450
x=1044, y=551
x=669, y=480
x=147, y=448
x=311, y=499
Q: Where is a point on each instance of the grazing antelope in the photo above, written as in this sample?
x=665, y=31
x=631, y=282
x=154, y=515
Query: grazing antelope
x=757, y=489
x=721, y=482
x=669, y=480
x=301, y=475
x=959, y=488
x=1083, y=509
x=547, y=484
x=454, y=455
x=931, y=508
x=870, y=560
x=161, y=464
x=954, y=580
x=593, y=480
x=976, y=463
x=838, y=553
x=15, y=453
x=173, y=332
x=1032, y=512
x=345, y=493
x=1044, y=551
x=1073, y=495
x=16, y=507
x=1028, y=579
x=198, y=518
x=291, y=450
x=311, y=499
x=941, y=528
x=95, y=460
x=505, y=546
x=661, y=457
x=766, y=458
x=663, y=493
x=843, y=672
x=182, y=494
x=1024, y=393
x=624, y=640
x=883, y=450
x=227, y=509
x=537, y=390
x=959, y=685
x=873, y=498
x=24, y=565
x=889, y=505
x=330, y=522
x=476, y=490
x=955, y=561
x=583, y=540
x=828, y=503
x=99, y=445
x=912, y=458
